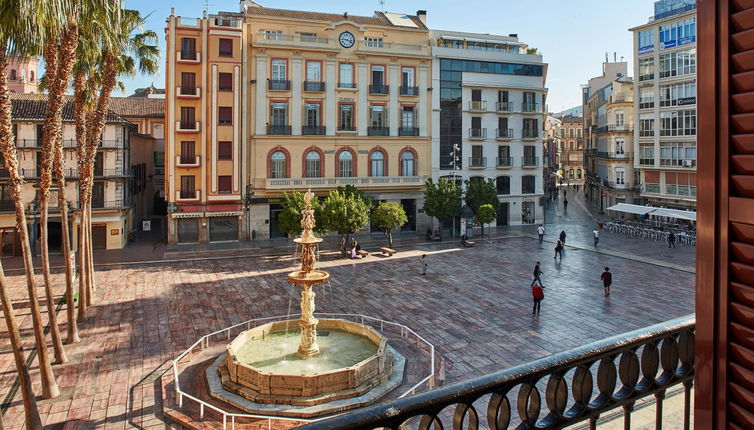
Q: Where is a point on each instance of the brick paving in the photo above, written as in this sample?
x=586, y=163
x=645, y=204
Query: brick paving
x=474, y=305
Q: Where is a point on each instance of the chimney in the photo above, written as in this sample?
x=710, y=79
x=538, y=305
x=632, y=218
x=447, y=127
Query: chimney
x=422, y=15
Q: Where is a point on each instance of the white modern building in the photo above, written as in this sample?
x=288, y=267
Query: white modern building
x=488, y=113
x=665, y=105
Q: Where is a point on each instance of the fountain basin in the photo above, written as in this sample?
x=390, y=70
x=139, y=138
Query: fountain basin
x=262, y=364
x=313, y=277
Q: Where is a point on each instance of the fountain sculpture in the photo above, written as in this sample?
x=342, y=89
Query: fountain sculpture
x=351, y=365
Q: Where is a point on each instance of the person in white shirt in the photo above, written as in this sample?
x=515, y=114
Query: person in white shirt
x=596, y=235
x=541, y=232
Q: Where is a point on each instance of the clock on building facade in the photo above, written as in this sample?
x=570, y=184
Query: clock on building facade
x=346, y=39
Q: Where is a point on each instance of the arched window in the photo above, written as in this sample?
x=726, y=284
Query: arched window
x=13, y=75
x=278, y=168
x=408, y=164
x=31, y=76
x=345, y=164
x=377, y=163
x=312, y=166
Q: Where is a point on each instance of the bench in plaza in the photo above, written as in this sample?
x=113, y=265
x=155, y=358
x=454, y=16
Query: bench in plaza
x=388, y=251
x=362, y=253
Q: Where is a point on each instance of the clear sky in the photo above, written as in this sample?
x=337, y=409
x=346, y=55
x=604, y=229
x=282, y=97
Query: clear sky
x=573, y=35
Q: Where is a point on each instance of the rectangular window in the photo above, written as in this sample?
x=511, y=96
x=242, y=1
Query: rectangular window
x=502, y=96
x=224, y=184
x=188, y=83
x=646, y=97
x=377, y=116
x=346, y=118
x=345, y=76
x=188, y=48
x=373, y=42
x=408, y=85
x=187, y=186
x=273, y=35
x=647, y=154
x=531, y=129
x=279, y=114
x=225, y=115
x=187, y=118
x=378, y=80
x=279, y=70
x=678, y=154
x=226, y=48
x=407, y=117
x=225, y=81
x=503, y=184
x=619, y=119
x=678, y=63
x=313, y=71
x=476, y=95
x=680, y=94
x=308, y=37
x=646, y=69
x=646, y=125
x=312, y=114
x=224, y=150
x=646, y=41
x=188, y=152
x=678, y=123
x=528, y=184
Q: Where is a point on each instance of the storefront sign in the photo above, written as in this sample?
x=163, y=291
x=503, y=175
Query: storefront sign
x=267, y=200
x=686, y=40
x=345, y=99
x=686, y=101
x=114, y=231
x=646, y=49
x=668, y=44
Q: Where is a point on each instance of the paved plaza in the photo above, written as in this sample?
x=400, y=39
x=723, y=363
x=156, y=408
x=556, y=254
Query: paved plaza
x=474, y=305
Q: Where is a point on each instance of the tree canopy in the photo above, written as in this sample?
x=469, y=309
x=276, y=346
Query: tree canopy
x=481, y=192
x=290, y=218
x=485, y=215
x=442, y=199
x=388, y=216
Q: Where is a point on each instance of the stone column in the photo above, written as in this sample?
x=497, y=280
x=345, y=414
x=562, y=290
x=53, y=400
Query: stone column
x=296, y=95
x=331, y=114
x=393, y=107
x=261, y=126
x=362, y=107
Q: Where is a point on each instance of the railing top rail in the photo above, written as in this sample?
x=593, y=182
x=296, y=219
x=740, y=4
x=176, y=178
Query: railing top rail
x=418, y=405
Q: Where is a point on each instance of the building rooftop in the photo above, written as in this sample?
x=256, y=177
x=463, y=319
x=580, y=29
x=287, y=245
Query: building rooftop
x=138, y=106
x=33, y=107
x=386, y=19
x=150, y=91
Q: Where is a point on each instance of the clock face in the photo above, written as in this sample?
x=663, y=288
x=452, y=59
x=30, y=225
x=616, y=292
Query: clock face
x=346, y=39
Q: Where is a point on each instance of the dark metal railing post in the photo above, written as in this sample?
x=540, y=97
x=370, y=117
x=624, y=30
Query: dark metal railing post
x=628, y=409
x=687, y=404
x=659, y=398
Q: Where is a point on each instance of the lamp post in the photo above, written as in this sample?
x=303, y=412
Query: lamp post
x=247, y=198
x=454, y=159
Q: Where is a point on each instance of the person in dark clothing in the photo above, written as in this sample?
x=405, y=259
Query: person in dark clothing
x=607, y=279
x=537, y=274
x=671, y=240
x=562, y=237
x=559, y=251
x=565, y=206
x=538, y=295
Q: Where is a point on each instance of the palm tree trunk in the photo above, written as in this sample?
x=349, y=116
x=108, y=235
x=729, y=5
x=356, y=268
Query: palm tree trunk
x=89, y=254
x=33, y=422
x=80, y=117
x=65, y=243
x=57, y=342
x=83, y=272
x=8, y=149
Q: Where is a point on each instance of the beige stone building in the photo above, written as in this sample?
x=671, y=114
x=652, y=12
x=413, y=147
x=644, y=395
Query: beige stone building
x=570, y=150
x=23, y=76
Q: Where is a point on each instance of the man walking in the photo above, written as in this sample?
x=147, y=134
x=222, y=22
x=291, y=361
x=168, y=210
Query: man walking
x=424, y=264
x=562, y=236
x=537, y=274
x=671, y=240
x=596, y=236
x=541, y=233
x=559, y=251
x=607, y=279
x=538, y=295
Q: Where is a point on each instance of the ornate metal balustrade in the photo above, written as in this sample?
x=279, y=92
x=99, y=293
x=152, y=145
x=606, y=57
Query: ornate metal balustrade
x=575, y=386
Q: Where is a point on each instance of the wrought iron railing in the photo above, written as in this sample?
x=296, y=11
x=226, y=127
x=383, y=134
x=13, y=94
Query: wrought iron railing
x=635, y=365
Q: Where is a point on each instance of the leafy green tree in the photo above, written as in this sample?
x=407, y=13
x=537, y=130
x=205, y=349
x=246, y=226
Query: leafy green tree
x=387, y=216
x=290, y=218
x=442, y=199
x=480, y=192
x=345, y=213
x=485, y=215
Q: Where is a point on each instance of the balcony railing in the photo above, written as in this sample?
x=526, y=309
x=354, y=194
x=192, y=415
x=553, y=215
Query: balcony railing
x=477, y=133
x=620, y=127
x=504, y=133
x=503, y=106
x=28, y=143
x=313, y=130
x=529, y=133
x=4, y=174
x=530, y=161
x=347, y=85
x=478, y=105
x=189, y=57
x=187, y=160
x=378, y=131
x=393, y=46
x=291, y=39
x=187, y=127
x=278, y=130
x=188, y=195
x=531, y=107
x=105, y=204
x=614, y=155
x=330, y=182
x=188, y=92
x=109, y=173
x=408, y=131
x=314, y=86
x=504, y=162
x=30, y=173
x=606, y=375
x=477, y=162
x=111, y=144
x=409, y=91
x=379, y=89
x=7, y=206
x=278, y=85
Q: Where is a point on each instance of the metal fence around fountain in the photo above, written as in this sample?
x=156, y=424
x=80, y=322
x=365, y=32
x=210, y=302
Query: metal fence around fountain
x=204, y=343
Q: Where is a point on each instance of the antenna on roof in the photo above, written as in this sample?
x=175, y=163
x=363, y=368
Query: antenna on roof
x=382, y=5
x=207, y=4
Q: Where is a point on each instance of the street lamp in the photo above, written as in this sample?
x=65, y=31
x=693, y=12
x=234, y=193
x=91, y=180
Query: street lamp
x=247, y=198
x=454, y=159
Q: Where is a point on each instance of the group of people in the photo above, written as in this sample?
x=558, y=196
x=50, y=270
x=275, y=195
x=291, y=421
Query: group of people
x=538, y=293
x=433, y=236
x=354, y=248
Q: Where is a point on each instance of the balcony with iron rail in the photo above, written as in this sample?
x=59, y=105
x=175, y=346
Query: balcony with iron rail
x=504, y=106
x=408, y=131
x=306, y=41
x=325, y=183
x=408, y=90
x=504, y=133
x=531, y=108
x=383, y=47
x=530, y=162
x=278, y=85
x=477, y=162
x=379, y=89
x=615, y=155
x=478, y=105
x=504, y=162
x=576, y=386
x=314, y=86
x=69, y=144
x=620, y=128
x=477, y=133
x=278, y=130
x=378, y=131
x=528, y=133
x=108, y=204
x=313, y=130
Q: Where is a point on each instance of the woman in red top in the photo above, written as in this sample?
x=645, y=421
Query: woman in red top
x=538, y=294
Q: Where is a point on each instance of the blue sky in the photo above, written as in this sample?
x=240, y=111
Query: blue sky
x=573, y=35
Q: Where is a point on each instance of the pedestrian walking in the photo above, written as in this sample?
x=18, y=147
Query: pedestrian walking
x=424, y=264
x=562, y=236
x=559, y=251
x=565, y=205
x=541, y=233
x=596, y=236
x=671, y=240
x=537, y=274
x=538, y=294
x=607, y=279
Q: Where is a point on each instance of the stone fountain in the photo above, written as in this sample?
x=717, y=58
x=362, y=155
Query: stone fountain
x=348, y=365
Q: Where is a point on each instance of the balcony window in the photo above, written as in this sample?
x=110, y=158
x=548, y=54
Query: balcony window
x=503, y=185
x=408, y=84
x=646, y=125
x=187, y=187
x=226, y=48
x=308, y=37
x=528, y=184
x=312, y=119
x=377, y=121
x=646, y=97
x=278, y=165
x=225, y=150
x=531, y=128
x=530, y=102
x=373, y=42
x=225, y=115
x=346, y=117
x=188, y=118
x=407, y=122
x=408, y=164
x=678, y=123
x=279, y=119
x=378, y=80
x=646, y=69
x=620, y=176
x=98, y=194
x=377, y=164
x=188, y=83
x=312, y=167
x=188, y=152
x=345, y=164
x=273, y=35
x=279, y=75
x=646, y=155
x=224, y=184
x=678, y=154
x=345, y=76
x=225, y=81
x=314, y=76
x=188, y=48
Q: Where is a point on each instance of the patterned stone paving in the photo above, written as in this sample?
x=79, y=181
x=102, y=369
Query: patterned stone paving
x=474, y=305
